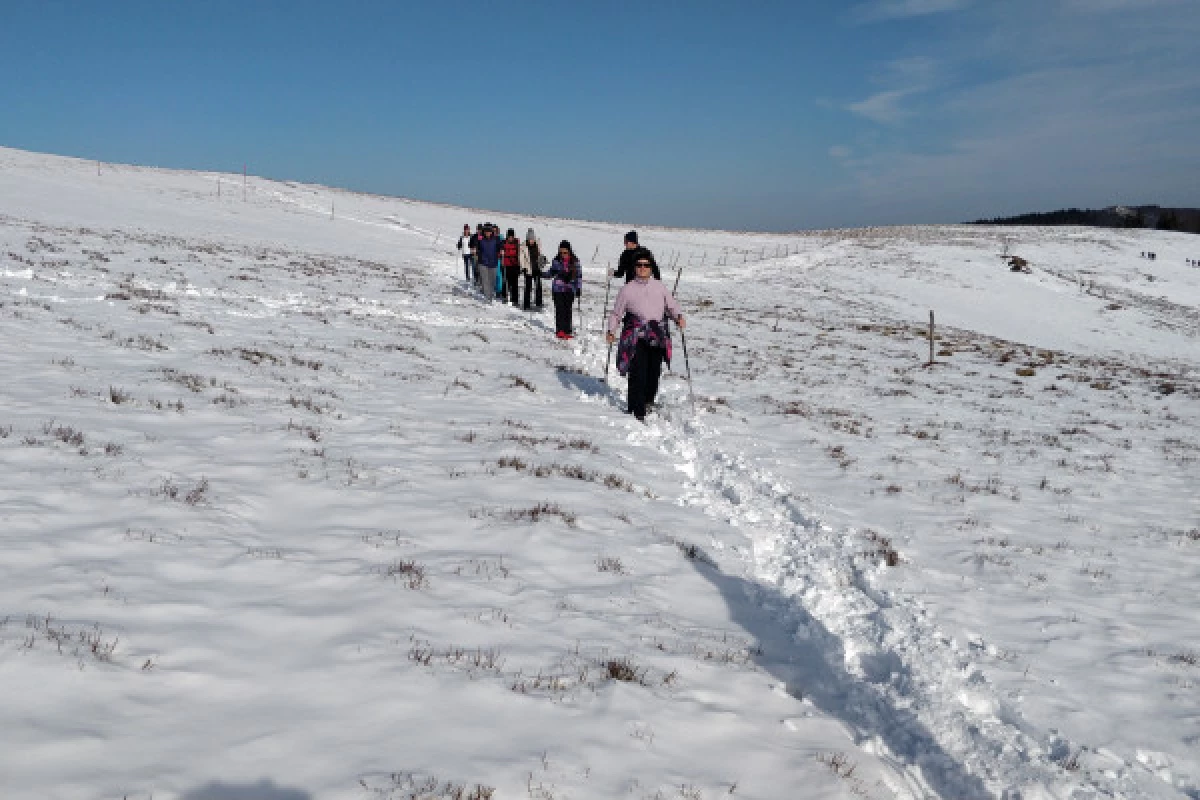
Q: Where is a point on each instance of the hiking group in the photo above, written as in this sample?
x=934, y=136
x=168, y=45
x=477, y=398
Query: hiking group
x=637, y=322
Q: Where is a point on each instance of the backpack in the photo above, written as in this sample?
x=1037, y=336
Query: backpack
x=512, y=250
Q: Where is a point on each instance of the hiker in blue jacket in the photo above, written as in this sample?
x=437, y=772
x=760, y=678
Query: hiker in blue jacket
x=489, y=258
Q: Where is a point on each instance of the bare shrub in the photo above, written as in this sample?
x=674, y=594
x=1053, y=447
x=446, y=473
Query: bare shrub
x=191, y=381
x=308, y=404
x=839, y=764
x=65, y=434
x=257, y=357
x=693, y=552
x=413, y=786
x=533, y=514
x=408, y=572
x=624, y=670
x=610, y=564
x=197, y=494
x=77, y=641
x=118, y=396
x=518, y=381
x=881, y=548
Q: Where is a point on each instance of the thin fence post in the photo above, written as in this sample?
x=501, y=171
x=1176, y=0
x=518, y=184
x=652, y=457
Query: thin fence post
x=931, y=337
x=243, y=183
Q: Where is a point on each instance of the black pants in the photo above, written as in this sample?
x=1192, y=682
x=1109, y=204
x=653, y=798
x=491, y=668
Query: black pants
x=533, y=284
x=563, y=302
x=511, y=275
x=644, y=372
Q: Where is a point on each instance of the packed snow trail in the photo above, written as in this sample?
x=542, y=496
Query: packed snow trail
x=870, y=657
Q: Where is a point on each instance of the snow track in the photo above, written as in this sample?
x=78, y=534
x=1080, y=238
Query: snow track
x=868, y=656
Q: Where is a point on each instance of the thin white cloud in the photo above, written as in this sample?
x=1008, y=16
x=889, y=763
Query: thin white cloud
x=840, y=152
x=1100, y=6
x=1041, y=140
x=906, y=77
x=882, y=10
x=884, y=107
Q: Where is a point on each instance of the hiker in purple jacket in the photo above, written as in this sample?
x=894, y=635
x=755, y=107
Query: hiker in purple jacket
x=568, y=284
x=639, y=314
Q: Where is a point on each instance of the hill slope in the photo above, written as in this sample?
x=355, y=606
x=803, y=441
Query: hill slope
x=289, y=512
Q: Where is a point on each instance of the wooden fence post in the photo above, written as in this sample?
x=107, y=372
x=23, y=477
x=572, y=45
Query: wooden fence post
x=931, y=337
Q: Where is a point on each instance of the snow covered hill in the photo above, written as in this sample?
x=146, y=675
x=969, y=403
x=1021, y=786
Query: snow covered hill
x=289, y=514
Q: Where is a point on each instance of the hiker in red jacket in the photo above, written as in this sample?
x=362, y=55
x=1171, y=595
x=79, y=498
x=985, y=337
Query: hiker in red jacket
x=510, y=257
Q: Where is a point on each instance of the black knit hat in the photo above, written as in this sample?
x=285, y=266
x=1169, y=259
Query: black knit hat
x=631, y=237
x=642, y=254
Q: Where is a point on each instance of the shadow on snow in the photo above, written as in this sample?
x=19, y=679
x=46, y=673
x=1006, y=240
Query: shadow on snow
x=803, y=663
x=263, y=790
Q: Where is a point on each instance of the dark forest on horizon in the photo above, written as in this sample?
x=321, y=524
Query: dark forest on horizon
x=1186, y=220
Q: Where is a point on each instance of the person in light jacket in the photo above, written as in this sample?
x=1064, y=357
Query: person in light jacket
x=639, y=317
x=567, y=285
x=532, y=259
x=466, y=248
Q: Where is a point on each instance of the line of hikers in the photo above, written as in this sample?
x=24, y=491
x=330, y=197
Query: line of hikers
x=638, y=318
x=495, y=266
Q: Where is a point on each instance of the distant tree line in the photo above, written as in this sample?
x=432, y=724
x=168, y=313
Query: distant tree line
x=1163, y=219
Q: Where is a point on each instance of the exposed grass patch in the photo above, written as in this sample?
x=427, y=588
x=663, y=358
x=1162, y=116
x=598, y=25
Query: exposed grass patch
x=612, y=481
x=408, y=572
x=881, y=548
x=414, y=786
x=63, y=433
x=625, y=670
x=77, y=641
x=532, y=514
x=516, y=381
x=693, y=552
x=197, y=495
x=610, y=564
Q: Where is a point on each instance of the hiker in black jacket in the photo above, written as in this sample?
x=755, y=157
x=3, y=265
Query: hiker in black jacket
x=625, y=267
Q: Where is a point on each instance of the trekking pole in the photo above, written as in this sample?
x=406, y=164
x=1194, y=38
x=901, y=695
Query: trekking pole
x=604, y=318
x=688, y=365
x=582, y=327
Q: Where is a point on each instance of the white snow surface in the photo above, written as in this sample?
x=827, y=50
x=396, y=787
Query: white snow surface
x=289, y=513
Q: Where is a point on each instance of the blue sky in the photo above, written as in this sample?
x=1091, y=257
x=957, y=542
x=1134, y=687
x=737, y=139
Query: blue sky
x=738, y=114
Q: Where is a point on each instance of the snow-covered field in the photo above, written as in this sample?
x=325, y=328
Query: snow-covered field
x=289, y=514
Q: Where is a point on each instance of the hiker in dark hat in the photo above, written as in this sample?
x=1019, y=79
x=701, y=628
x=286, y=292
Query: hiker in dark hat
x=510, y=254
x=639, y=317
x=489, y=258
x=625, y=268
x=568, y=283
